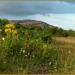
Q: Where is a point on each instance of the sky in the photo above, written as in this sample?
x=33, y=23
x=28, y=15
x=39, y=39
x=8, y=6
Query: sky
x=59, y=13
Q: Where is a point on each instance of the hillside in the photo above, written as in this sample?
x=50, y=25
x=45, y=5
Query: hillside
x=54, y=30
x=31, y=22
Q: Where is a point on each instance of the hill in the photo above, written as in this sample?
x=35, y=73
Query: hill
x=31, y=22
x=54, y=30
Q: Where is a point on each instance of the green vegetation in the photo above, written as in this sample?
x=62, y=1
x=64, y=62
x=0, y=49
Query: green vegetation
x=34, y=49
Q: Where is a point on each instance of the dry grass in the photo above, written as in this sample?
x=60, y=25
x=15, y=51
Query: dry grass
x=66, y=46
x=67, y=40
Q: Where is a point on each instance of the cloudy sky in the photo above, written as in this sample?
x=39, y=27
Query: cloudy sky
x=60, y=13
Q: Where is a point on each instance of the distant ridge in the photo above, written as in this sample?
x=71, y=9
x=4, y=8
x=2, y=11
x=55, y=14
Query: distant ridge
x=30, y=22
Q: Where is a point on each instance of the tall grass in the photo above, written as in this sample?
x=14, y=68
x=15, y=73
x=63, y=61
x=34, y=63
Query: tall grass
x=66, y=57
x=33, y=50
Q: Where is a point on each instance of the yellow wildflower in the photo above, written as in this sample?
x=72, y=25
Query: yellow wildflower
x=11, y=26
x=14, y=31
x=8, y=30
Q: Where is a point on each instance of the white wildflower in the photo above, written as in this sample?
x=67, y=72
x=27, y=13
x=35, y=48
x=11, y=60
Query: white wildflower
x=23, y=51
x=3, y=38
x=50, y=63
x=26, y=55
x=55, y=67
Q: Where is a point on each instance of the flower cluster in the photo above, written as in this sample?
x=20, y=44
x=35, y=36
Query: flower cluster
x=10, y=28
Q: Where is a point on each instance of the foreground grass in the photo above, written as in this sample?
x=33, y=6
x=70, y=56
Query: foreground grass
x=31, y=50
x=36, y=57
x=66, y=45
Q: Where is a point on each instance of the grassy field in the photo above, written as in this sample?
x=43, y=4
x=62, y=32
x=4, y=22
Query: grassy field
x=33, y=50
x=66, y=45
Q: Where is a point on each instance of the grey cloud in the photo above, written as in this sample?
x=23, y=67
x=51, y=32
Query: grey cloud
x=24, y=8
x=29, y=8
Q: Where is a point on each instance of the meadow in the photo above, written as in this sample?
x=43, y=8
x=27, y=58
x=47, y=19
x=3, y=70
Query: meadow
x=66, y=45
x=35, y=50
